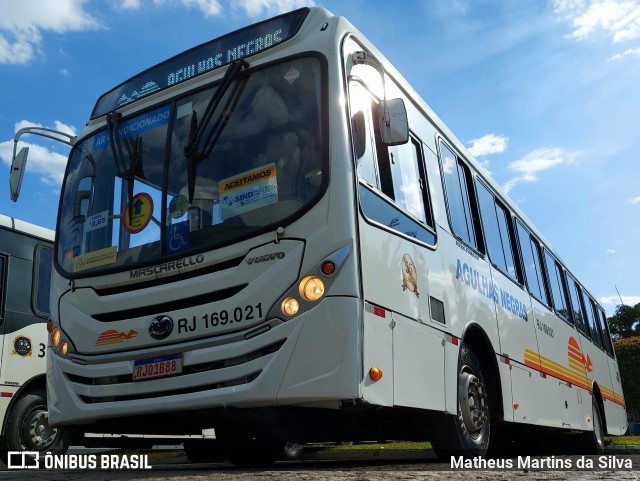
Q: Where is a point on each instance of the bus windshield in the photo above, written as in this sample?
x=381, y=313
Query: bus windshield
x=177, y=179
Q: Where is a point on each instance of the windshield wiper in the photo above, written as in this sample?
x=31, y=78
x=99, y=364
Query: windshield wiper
x=134, y=149
x=193, y=151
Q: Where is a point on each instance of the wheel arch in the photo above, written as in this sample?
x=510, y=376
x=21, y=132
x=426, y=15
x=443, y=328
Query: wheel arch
x=36, y=383
x=476, y=338
x=597, y=395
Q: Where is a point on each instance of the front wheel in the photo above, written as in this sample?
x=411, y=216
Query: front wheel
x=468, y=432
x=28, y=427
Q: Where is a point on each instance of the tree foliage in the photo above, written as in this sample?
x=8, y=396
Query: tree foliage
x=625, y=322
x=628, y=354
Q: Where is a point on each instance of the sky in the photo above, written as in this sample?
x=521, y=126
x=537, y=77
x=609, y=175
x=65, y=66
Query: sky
x=545, y=94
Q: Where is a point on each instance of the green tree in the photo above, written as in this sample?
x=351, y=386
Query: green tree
x=628, y=354
x=625, y=322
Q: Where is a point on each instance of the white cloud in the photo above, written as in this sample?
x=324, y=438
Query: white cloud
x=619, y=19
x=22, y=24
x=611, y=251
x=210, y=8
x=615, y=300
x=630, y=52
x=48, y=164
x=634, y=200
x=489, y=144
x=258, y=8
x=537, y=161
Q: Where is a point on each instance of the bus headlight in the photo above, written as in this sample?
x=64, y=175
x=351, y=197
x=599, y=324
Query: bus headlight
x=290, y=306
x=311, y=288
x=55, y=337
x=64, y=347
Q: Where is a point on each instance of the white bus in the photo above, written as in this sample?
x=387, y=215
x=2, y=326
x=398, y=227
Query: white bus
x=273, y=235
x=26, y=258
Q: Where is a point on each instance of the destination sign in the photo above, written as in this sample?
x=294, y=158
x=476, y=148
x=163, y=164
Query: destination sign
x=202, y=59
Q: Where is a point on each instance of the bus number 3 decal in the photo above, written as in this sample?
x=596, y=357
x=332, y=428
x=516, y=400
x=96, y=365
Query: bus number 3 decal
x=220, y=318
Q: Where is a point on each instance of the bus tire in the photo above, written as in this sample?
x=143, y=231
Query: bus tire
x=468, y=432
x=292, y=451
x=254, y=452
x=203, y=451
x=28, y=427
x=593, y=441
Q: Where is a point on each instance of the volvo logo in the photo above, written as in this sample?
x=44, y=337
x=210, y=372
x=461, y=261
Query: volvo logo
x=161, y=327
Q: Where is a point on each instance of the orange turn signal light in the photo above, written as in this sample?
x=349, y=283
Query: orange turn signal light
x=375, y=374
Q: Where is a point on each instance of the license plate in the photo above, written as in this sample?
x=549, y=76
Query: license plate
x=157, y=367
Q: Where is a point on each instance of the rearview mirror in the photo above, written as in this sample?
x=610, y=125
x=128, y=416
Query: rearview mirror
x=394, y=126
x=17, y=172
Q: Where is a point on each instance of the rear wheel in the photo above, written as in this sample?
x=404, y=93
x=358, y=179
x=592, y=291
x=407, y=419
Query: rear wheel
x=203, y=451
x=467, y=433
x=594, y=440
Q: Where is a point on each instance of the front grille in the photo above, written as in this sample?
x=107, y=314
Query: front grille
x=187, y=370
x=109, y=291
x=182, y=303
x=129, y=397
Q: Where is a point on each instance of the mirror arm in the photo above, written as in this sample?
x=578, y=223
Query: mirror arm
x=43, y=132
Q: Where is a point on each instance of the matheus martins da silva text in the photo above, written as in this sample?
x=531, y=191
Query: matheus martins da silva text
x=549, y=462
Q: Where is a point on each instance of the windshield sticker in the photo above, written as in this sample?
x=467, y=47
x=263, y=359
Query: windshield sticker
x=178, y=237
x=137, y=213
x=96, y=221
x=248, y=191
x=178, y=206
x=291, y=75
x=184, y=110
x=132, y=128
x=97, y=258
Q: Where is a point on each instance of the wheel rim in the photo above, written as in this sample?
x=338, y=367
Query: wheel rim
x=473, y=403
x=36, y=432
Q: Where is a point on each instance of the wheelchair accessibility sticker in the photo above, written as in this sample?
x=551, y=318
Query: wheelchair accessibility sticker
x=137, y=213
x=178, y=237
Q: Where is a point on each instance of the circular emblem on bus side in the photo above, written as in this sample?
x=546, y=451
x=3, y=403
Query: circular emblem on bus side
x=22, y=346
x=161, y=327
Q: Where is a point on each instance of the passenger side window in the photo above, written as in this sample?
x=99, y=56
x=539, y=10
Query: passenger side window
x=604, y=329
x=558, y=286
x=532, y=265
x=398, y=172
x=3, y=263
x=457, y=180
x=576, y=308
x=409, y=189
x=495, y=223
x=362, y=134
x=42, y=280
x=589, y=306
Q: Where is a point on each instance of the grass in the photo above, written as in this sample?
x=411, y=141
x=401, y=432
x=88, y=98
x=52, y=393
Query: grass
x=622, y=441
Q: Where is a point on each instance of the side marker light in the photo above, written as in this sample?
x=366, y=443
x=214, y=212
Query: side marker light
x=328, y=268
x=375, y=374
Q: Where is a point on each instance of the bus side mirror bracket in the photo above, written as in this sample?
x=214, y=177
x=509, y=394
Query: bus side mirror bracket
x=392, y=118
x=19, y=161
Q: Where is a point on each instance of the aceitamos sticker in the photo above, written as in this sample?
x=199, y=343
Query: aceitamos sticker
x=248, y=191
